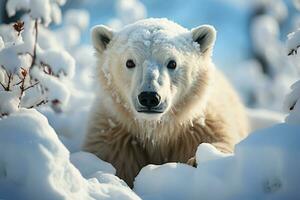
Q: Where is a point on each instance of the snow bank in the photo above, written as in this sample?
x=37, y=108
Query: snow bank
x=34, y=164
x=264, y=166
x=262, y=118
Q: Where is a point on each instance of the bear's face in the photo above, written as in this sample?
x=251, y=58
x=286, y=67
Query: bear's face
x=153, y=63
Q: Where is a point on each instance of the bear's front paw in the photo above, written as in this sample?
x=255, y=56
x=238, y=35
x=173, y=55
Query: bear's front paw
x=192, y=161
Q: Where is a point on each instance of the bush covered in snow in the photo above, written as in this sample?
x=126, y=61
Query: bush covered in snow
x=32, y=74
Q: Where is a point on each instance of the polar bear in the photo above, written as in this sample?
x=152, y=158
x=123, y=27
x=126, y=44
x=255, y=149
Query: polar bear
x=159, y=97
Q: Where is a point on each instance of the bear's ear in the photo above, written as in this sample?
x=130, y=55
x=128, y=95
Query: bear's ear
x=101, y=36
x=205, y=36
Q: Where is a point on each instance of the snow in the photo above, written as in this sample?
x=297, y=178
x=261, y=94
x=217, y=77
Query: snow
x=81, y=159
x=128, y=11
x=40, y=151
x=46, y=10
x=60, y=61
x=158, y=32
x=43, y=167
x=13, y=63
x=296, y=4
x=206, y=152
x=78, y=18
x=262, y=167
x=293, y=41
x=39, y=9
x=9, y=102
x=14, y=5
x=292, y=104
x=262, y=118
x=68, y=36
x=55, y=89
x=1, y=43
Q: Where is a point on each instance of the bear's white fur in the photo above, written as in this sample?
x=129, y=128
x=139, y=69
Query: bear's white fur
x=196, y=103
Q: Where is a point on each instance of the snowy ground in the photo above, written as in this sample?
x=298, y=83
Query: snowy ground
x=262, y=167
x=34, y=164
x=40, y=155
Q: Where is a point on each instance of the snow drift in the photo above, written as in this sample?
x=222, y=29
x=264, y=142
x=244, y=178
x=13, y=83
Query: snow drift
x=264, y=166
x=34, y=164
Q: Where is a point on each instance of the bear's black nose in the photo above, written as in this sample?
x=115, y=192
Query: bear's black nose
x=149, y=99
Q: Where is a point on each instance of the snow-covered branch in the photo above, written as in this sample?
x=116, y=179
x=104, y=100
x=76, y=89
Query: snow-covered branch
x=31, y=75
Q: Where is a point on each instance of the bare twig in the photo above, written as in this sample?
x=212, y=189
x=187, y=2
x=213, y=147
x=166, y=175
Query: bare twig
x=39, y=104
x=35, y=44
x=293, y=51
x=18, y=83
x=3, y=115
x=31, y=86
x=10, y=77
x=3, y=86
x=9, y=81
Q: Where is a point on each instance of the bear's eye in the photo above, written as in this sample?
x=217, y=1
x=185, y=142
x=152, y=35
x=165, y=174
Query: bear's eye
x=172, y=64
x=130, y=64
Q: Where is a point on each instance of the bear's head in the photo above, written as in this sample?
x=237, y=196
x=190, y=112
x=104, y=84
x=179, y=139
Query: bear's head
x=155, y=67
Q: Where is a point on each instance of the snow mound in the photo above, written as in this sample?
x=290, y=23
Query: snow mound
x=262, y=167
x=34, y=164
x=82, y=159
x=263, y=118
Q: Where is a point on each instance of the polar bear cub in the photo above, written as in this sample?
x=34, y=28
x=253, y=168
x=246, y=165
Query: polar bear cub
x=159, y=97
